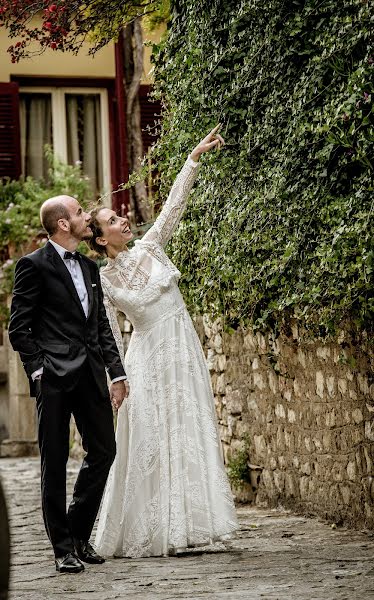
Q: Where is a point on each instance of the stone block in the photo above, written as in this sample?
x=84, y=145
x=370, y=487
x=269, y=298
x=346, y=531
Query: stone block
x=250, y=342
x=337, y=472
x=318, y=444
x=297, y=388
x=304, y=487
x=280, y=443
x=289, y=439
x=301, y=358
x=369, y=462
x=320, y=384
x=306, y=468
x=234, y=401
x=357, y=415
x=346, y=493
x=289, y=486
x=256, y=364
x=18, y=448
x=368, y=511
x=221, y=362
x=323, y=352
x=231, y=425
x=273, y=382
x=356, y=437
x=279, y=480
x=280, y=412
x=207, y=324
x=330, y=419
x=349, y=375
x=330, y=385
x=220, y=385
x=217, y=343
x=288, y=395
x=273, y=463
x=351, y=470
x=224, y=434
x=342, y=386
x=260, y=446
x=210, y=358
x=252, y=406
x=369, y=430
x=258, y=381
x=352, y=394
x=269, y=416
x=261, y=341
x=291, y=416
x=267, y=480
x=241, y=429
x=363, y=384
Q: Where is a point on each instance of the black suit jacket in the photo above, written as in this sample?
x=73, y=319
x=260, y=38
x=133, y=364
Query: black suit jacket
x=48, y=326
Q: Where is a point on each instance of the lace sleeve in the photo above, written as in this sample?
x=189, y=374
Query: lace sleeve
x=172, y=211
x=112, y=312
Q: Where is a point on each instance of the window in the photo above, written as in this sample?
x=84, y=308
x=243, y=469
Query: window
x=74, y=122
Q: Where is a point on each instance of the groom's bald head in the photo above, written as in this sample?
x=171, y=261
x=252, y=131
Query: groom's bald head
x=54, y=209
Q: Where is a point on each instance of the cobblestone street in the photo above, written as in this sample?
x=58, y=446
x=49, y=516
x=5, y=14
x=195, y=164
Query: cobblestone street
x=277, y=556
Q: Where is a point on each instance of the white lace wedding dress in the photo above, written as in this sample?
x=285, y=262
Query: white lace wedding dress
x=167, y=489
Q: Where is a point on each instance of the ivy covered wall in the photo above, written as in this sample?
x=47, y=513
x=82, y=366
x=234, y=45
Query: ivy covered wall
x=281, y=221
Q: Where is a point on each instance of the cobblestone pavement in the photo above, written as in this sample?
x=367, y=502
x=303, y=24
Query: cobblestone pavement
x=277, y=556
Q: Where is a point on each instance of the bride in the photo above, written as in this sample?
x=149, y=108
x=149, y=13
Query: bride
x=167, y=489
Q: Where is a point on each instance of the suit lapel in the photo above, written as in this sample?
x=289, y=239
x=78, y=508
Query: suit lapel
x=62, y=270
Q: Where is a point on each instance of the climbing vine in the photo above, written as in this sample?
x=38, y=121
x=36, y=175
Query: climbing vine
x=280, y=221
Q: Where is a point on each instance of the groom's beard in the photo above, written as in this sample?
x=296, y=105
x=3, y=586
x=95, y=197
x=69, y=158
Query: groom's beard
x=80, y=235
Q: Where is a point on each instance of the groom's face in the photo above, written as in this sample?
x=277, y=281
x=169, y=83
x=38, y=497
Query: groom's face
x=79, y=221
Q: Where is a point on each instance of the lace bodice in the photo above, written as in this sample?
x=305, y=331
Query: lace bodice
x=143, y=282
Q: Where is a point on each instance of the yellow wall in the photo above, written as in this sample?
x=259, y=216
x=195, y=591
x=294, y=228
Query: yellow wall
x=58, y=64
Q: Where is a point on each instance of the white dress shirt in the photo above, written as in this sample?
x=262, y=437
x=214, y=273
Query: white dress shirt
x=75, y=270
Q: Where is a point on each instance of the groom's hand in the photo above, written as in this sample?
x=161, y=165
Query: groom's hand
x=118, y=391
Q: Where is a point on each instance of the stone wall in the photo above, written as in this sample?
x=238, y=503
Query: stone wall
x=308, y=411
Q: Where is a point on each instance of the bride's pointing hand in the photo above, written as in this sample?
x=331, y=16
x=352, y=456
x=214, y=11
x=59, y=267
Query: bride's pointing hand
x=212, y=140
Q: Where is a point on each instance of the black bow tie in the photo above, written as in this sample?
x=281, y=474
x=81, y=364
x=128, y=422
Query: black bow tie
x=71, y=255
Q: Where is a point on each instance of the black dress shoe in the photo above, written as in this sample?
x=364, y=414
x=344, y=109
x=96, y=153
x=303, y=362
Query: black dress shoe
x=69, y=564
x=87, y=553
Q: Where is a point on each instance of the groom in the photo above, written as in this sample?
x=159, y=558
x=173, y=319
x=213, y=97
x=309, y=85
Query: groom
x=59, y=327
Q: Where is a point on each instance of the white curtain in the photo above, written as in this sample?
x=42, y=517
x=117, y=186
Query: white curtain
x=36, y=132
x=84, y=140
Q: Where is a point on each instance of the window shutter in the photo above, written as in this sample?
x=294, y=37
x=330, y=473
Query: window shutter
x=149, y=115
x=10, y=150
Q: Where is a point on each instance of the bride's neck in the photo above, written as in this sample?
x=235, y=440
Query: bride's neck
x=114, y=252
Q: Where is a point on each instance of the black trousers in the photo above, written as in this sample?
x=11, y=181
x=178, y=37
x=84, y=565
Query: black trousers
x=94, y=419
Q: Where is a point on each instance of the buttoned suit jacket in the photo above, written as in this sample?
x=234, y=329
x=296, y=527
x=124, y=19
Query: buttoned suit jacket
x=48, y=326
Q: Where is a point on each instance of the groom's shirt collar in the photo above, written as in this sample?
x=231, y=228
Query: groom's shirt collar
x=60, y=249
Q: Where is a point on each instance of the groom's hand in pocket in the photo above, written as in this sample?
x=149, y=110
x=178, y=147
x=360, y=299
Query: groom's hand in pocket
x=118, y=391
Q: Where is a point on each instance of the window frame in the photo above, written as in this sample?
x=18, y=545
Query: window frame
x=59, y=130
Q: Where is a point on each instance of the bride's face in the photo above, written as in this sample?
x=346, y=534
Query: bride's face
x=116, y=230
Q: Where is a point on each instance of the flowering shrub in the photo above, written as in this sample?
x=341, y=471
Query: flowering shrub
x=20, y=229
x=65, y=25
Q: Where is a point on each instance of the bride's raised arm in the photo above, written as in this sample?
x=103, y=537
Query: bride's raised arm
x=172, y=211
